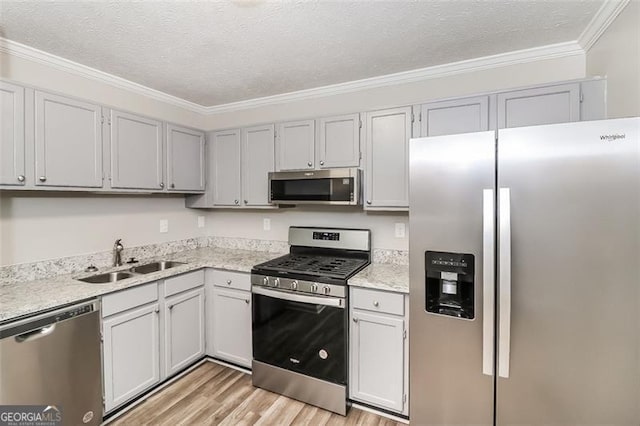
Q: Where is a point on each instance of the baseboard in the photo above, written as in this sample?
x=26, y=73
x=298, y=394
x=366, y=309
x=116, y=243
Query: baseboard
x=228, y=364
x=381, y=413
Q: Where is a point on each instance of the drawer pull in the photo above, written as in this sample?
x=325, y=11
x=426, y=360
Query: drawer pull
x=355, y=320
x=376, y=304
x=229, y=282
x=246, y=301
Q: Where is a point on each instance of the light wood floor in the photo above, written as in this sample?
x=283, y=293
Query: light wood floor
x=216, y=395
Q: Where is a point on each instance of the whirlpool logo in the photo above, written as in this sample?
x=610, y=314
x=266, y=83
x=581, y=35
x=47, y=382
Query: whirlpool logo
x=613, y=137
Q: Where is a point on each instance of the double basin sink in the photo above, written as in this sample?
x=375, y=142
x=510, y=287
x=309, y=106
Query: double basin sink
x=147, y=268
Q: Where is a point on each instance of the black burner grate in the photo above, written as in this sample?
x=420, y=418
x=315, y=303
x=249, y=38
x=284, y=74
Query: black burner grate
x=336, y=267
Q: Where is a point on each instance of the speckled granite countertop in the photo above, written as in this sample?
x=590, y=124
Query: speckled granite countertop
x=383, y=276
x=26, y=298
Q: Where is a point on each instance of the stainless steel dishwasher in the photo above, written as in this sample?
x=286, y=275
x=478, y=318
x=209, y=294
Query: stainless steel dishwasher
x=53, y=359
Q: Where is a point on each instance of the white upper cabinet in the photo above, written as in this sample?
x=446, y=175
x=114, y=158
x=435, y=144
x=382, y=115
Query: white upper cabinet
x=226, y=168
x=387, y=158
x=295, y=145
x=136, y=152
x=185, y=159
x=12, y=138
x=68, y=142
x=257, y=161
x=544, y=105
x=339, y=141
x=455, y=116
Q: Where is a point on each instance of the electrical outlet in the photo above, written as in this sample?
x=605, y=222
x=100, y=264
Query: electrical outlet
x=164, y=226
x=400, y=230
x=266, y=224
x=200, y=221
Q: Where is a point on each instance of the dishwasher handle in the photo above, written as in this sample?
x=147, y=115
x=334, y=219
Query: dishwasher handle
x=35, y=334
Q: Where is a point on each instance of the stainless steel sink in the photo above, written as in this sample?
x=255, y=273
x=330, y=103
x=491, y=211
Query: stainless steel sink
x=107, y=278
x=155, y=267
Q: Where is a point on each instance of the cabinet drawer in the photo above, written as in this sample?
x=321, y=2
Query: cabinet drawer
x=378, y=301
x=128, y=299
x=237, y=280
x=183, y=282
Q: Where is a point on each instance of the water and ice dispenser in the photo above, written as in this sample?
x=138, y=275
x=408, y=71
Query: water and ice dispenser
x=449, y=280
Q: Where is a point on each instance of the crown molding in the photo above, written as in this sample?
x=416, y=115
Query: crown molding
x=551, y=51
x=35, y=55
x=607, y=13
x=438, y=71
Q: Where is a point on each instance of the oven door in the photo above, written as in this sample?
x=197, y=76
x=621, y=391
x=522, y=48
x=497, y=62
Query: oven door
x=301, y=333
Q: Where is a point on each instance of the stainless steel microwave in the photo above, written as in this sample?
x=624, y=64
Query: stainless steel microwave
x=330, y=186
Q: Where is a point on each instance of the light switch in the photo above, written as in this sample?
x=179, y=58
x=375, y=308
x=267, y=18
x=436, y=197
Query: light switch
x=164, y=226
x=400, y=230
x=266, y=224
x=200, y=221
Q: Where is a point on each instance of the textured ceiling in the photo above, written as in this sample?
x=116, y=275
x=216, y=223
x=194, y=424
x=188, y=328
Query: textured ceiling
x=213, y=53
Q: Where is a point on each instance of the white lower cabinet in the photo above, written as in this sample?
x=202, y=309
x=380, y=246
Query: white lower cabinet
x=131, y=350
x=378, y=349
x=231, y=322
x=183, y=330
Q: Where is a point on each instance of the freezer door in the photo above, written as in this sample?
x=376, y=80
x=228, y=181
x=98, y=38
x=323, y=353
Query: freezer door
x=451, y=210
x=569, y=280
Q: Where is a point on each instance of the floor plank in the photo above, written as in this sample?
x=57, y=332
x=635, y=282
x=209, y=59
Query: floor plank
x=216, y=395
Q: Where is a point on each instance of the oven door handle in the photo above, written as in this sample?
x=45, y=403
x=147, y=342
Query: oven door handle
x=316, y=300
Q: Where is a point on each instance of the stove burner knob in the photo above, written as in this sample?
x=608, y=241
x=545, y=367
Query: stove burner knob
x=294, y=285
x=326, y=289
x=265, y=281
x=314, y=288
x=276, y=283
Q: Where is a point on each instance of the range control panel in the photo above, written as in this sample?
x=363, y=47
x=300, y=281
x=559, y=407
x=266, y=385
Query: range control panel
x=326, y=236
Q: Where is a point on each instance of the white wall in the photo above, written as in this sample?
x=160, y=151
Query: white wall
x=249, y=224
x=38, y=226
x=463, y=84
x=616, y=55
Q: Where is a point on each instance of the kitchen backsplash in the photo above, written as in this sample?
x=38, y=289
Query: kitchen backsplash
x=73, y=264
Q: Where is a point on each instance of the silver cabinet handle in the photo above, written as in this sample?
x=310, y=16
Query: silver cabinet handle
x=173, y=185
x=170, y=307
x=157, y=311
x=488, y=278
x=376, y=304
x=504, y=282
x=355, y=319
x=161, y=184
x=237, y=202
x=309, y=164
x=369, y=202
x=246, y=201
x=322, y=163
x=229, y=282
x=21, y=178
x=42, y=178
x=246, y=301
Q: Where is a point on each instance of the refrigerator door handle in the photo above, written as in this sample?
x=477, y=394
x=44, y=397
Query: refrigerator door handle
x=504, y=328
x=488, y=280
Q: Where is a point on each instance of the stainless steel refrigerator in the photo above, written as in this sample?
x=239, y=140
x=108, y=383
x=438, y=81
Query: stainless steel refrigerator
x=525, y=276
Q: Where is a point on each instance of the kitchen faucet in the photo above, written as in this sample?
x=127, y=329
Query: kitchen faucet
x=117, y=253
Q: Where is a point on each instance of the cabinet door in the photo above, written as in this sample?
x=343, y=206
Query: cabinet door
x=232, y=326
x=387, y=158
x=258, y=152
x=185, y=159
x=12, y=143
x=377, y=360
x=131, y=350
x=183, y=330
x=226, y=168
x=295, y=145
x=544, y=105
x=456, y=116
x=136, y=152
x=68, y=142
x=339, y=141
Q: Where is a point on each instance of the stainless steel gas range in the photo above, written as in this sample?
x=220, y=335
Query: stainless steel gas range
x=300, y=315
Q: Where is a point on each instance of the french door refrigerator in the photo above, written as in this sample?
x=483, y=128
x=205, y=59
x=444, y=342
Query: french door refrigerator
x=525, y=276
